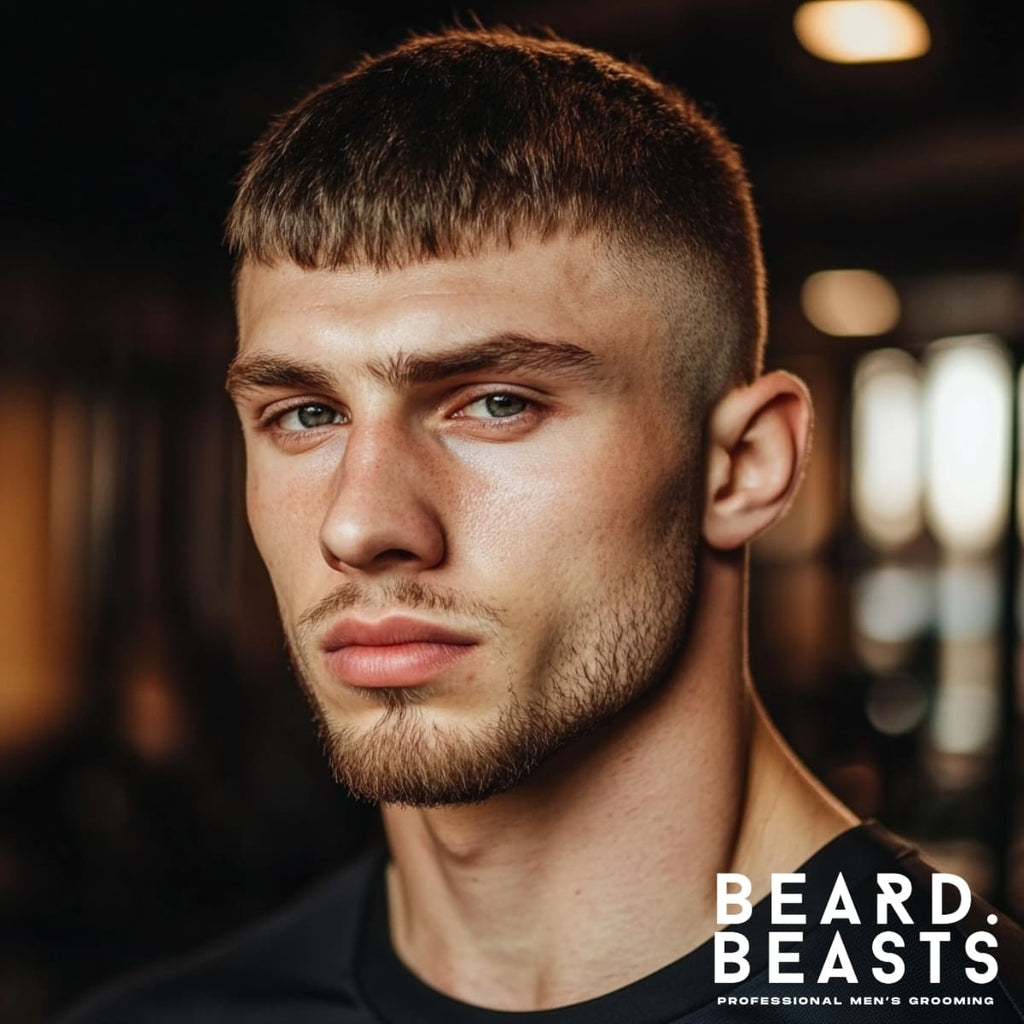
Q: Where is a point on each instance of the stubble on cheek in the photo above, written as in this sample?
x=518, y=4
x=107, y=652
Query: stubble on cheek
x=572, y=667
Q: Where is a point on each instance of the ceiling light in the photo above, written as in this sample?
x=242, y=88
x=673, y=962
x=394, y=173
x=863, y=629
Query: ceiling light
x=861, y=31
x=850, y=303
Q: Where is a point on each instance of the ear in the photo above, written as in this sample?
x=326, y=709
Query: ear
x=759, y=436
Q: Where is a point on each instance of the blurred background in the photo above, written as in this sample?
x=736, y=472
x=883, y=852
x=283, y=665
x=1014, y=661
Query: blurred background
x=159, y=779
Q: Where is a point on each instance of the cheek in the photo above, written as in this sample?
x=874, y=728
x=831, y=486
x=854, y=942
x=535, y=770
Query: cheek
x=284, y=524
x=517, y=502
x=264, y=510
x=604, y=499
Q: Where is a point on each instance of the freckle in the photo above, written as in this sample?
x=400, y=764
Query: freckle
x=577, y=892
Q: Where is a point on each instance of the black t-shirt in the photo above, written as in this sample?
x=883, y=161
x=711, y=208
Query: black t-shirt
x=328, y=960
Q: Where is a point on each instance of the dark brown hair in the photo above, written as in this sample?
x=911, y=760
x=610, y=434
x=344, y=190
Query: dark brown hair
x=473, y=137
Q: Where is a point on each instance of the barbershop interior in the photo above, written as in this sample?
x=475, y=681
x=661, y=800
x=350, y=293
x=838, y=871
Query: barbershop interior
x=160, y=782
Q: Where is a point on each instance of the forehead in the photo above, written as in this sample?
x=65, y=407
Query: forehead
x=568, y=287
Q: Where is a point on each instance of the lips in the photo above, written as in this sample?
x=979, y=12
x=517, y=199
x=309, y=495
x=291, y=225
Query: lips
x=395, y=651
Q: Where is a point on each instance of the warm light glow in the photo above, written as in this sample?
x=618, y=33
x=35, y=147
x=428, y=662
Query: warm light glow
x=1020, y=481
x=850, y=303
x=36, y=689
x=861, y=31
x=886, y=483
x=968, y=394
x=966, y=714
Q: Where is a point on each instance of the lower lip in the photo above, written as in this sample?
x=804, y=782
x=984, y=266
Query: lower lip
x=409, y=664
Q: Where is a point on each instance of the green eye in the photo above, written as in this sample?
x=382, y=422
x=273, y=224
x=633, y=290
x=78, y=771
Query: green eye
x=309, y=417
x=499, y=406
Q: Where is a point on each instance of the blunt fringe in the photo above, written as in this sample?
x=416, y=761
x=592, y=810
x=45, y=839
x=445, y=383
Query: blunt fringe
x=478, y=136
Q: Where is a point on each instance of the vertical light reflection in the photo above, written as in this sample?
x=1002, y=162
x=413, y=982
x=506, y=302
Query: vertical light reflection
x=68, y=517
x=893, y=606
x=966, y=712
x=1020, y=473
x=968, y=599
x=886, y=448
x=35, y=691
x=967, y=410
x=965, y=718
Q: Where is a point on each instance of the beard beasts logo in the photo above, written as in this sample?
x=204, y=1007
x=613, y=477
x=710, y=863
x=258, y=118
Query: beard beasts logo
x=895, y=932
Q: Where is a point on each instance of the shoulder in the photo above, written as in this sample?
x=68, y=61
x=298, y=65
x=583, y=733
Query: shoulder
x=294, y=966
x=922, y=934
x=888, y=866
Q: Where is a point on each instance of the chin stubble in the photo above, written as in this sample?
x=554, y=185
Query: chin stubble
x=619, y=646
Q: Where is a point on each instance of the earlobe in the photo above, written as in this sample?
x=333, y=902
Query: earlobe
x=758, y=440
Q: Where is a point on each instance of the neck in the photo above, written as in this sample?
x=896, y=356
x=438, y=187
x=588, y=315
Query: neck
x=600, y=869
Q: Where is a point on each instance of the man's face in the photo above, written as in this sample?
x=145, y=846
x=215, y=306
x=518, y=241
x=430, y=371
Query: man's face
x=477, y=502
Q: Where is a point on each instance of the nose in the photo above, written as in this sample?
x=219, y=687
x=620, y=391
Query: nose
x=382, y=512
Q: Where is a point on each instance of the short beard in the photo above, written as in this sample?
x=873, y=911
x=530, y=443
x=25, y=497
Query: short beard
x=621, y=647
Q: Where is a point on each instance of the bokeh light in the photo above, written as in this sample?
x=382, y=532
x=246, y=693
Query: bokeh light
x=862, y=31
x=886, y=448
x=893, y=604
x=968, y=393
x=896, y=704
x=850, y=303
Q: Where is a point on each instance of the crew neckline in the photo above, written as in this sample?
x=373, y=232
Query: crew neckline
x=398, y=996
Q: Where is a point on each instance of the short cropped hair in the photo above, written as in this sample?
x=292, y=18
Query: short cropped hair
x=476, y=137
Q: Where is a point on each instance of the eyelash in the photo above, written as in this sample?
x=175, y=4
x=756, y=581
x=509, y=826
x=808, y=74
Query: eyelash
x=275, y=420
x=272, y=422
x=532, y=408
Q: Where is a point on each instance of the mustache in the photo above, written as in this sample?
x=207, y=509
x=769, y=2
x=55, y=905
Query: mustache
x=394, y=595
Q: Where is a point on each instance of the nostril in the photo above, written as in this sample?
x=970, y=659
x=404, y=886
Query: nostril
x=395, y=555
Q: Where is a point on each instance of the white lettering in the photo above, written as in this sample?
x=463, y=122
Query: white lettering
x=740, y=897
x=780, y=898
x=893, y=891
x=776, y=957
x=939, y=881
x=893, y=959
x=837, y=963
x=973, y=942
x=737, y=955
x=840, y=904
x=934, y=941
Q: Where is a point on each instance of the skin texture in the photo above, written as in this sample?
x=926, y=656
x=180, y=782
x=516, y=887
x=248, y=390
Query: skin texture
x=550, y=536
x=556, y=510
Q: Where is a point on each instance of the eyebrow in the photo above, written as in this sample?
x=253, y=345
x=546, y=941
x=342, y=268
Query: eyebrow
x=249, y=374
x=500, y=353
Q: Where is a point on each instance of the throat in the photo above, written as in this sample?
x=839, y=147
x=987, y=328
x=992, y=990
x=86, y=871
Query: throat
x=578, y=883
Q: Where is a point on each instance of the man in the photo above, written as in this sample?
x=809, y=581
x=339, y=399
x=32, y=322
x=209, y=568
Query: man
x=501, y=318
